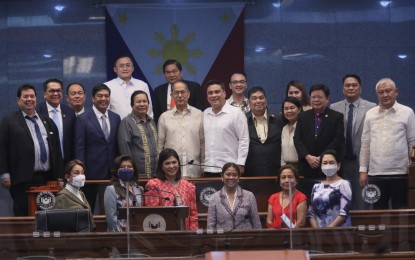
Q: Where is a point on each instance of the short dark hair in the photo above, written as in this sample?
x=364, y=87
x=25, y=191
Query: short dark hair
x=331, y=152
x=74, y=83
x=256, y=89
x=45, y=84
x=25, y=87
x=322, y=87
x=170, y=62
x=164, y=155
x=230, y=165
x=215, y=82
x=293, y=100
x=99, y=87
x=300, y=86
x=289, y=167
x=123, y=56
x=179, y=81
x=352, y=76
x=238, y=72
x=135, y=93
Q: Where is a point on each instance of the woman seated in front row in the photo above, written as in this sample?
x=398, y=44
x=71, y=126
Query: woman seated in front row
x=71, y=196
x=115, y=195
x=280, y=204
x=169, y=184
x=331, y=199
x=232, y=207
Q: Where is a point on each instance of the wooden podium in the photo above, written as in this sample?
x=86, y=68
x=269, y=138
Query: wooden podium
x=33, y=192
x=258, y=254
x=156, y=218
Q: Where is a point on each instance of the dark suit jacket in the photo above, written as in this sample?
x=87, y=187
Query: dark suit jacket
x=264, y=159
x=68, y=126
x=160, y=103
x=330, y=136
x=92, y=148
x=17, y=151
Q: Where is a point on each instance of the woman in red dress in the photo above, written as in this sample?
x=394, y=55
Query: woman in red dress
x=278, y=215
x=169, y=184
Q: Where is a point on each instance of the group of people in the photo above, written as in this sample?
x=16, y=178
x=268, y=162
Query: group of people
x=174, y=137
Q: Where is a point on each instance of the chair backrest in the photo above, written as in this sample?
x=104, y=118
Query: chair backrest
x=64, y=220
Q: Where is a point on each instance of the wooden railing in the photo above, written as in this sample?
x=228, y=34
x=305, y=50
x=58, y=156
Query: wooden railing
x=181, y=243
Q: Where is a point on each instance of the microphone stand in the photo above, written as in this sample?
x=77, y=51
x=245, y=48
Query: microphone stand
x=291, y=214
x=127, y=199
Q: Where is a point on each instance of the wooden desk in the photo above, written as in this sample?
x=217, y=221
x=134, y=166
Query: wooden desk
x=33, y=192
x=186, y=243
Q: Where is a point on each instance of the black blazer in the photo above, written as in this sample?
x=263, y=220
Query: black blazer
x=330, y=136
x=160, y=103
x=264, y=159
x=68, y=126
x=17, y=151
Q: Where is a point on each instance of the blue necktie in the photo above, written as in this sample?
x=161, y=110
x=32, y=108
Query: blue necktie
x=43, y=154
x=58, y=124
x=349, y=133
x=105, y=127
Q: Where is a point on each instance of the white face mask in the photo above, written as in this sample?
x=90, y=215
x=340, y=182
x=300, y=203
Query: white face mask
x=329, y=170
x=78, y=181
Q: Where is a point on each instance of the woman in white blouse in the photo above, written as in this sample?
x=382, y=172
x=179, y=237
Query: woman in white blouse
x=291, y=108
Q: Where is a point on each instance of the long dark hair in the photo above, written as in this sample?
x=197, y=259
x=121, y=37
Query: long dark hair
x=164, y=155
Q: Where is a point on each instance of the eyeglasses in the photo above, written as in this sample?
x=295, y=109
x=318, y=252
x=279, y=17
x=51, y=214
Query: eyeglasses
x=128, y=65
x=52, y=91
x=238, y=81
x=181, y=92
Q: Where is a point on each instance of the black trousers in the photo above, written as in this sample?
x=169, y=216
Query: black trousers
x=19, y=193
x=393, y=188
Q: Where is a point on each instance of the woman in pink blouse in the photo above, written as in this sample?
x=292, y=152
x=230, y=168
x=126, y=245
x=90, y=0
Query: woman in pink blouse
x=169, y=184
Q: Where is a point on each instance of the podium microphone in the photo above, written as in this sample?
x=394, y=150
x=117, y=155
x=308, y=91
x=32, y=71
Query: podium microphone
x=165, y=198
x=214, y=174
x=192, y=162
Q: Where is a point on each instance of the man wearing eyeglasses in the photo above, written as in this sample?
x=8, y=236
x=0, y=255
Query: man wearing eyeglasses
x=173, y=72
x=238, y=85
x=123, y=86
x=62, y=115
x=29, y=150
x=181, y=129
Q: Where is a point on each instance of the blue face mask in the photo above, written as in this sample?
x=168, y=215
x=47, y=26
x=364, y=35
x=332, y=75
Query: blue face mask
x=125, y=174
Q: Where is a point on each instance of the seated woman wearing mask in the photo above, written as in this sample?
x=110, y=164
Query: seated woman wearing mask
x=232, y=207
x=71, y=197
x=331, y=199
x=115, y=195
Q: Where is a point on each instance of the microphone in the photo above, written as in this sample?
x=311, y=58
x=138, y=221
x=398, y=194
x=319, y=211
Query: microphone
x=192, y=162
x=174, y=195
x=154, y=196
